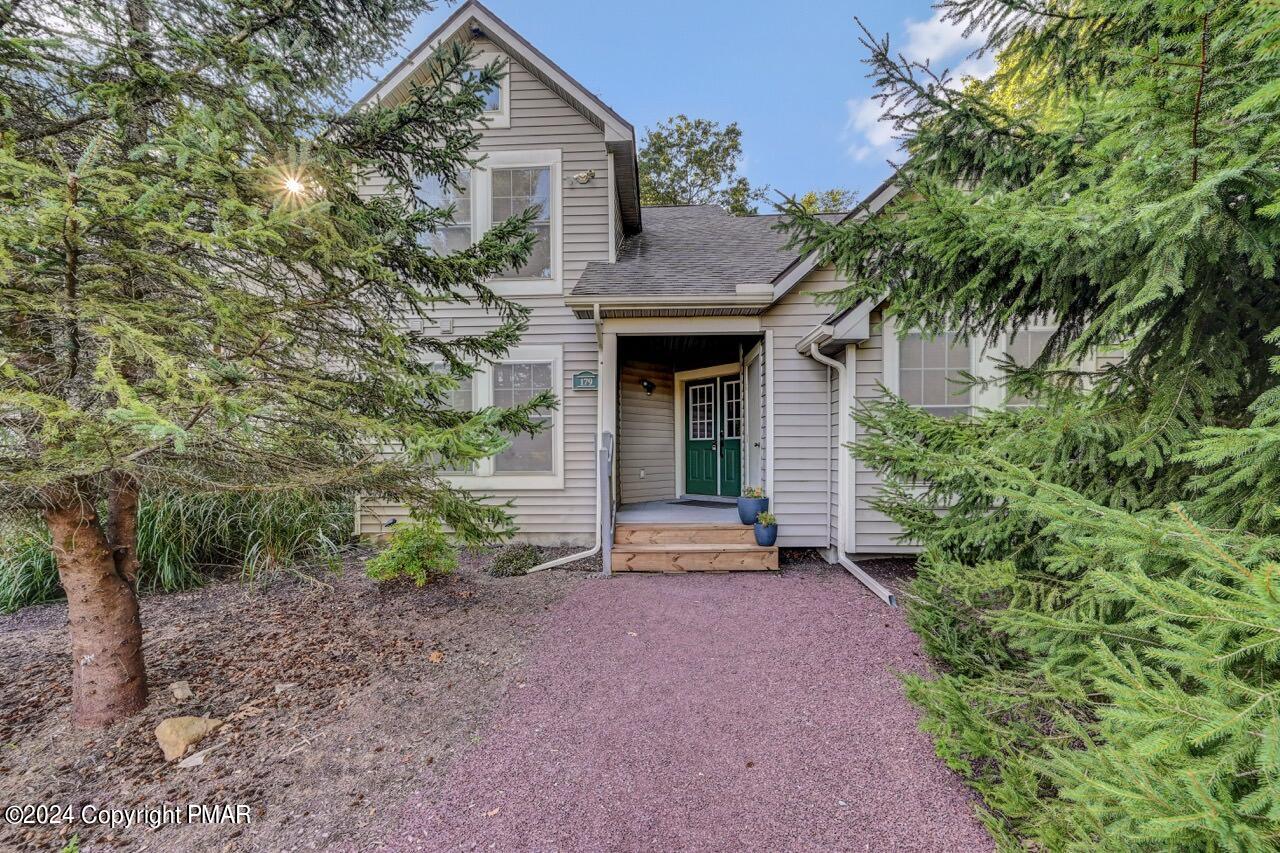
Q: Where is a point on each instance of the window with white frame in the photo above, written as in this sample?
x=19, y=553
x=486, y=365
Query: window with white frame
x=492, y=96
x=1023, y=347
x=516, y=383
x=459, y=398
x=497, y=100
x=931, y=373
x=513, y=191
x=455, y=235
x=531, y=462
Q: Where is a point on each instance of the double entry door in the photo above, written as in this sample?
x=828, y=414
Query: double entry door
x=713, y=436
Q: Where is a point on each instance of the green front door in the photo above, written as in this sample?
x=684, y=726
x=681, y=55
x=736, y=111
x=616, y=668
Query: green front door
x=731, y=436
x=701, y=469
x=713, y=437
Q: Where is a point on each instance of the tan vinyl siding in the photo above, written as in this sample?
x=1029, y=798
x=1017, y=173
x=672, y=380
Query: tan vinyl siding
x=646, y=434
x=801, y=419
x=873, y=532
x=540, y=120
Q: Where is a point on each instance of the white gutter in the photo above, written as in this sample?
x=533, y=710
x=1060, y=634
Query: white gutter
x=594, y=549
x=842, y=477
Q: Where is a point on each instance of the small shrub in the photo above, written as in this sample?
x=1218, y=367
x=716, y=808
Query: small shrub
x=766, y=518
x=753, y=491
x=418, y=550
x=513, y=561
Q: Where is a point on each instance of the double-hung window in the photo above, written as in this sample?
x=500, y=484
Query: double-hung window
x=505, y=184
x=513, y=190
x=1023, y=347
x=457, y=234
x=531, y=461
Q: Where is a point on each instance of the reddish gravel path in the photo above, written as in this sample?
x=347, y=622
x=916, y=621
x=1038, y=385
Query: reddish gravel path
x=706, y=712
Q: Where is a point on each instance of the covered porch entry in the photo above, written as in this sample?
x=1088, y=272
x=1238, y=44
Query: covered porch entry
x=691, y=434
x=690, y=415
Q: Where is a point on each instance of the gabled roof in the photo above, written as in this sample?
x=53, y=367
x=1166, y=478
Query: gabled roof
x=472, y=19
x=804, y=265
x=693, y=250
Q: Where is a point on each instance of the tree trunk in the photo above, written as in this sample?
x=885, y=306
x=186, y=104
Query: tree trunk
x=122, y=525
x=108, y=681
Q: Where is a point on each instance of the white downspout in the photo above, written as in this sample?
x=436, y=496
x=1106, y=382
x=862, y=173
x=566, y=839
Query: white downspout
x=842, y=466
x=594, y=549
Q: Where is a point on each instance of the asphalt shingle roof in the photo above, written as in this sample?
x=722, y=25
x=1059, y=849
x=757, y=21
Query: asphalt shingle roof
x=692, y=249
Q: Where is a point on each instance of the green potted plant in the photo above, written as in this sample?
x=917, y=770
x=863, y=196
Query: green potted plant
x=766, y=529
x=752, y=503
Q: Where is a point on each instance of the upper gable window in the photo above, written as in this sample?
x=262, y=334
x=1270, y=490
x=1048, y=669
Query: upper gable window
x=492, y=96
x=497, y=101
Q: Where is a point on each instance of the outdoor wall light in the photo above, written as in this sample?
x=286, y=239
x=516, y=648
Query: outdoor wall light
x=648, y=387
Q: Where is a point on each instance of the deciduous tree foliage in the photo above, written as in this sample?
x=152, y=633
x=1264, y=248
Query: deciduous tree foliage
x=194, y=292
x=1098, y=582
x=695, y=161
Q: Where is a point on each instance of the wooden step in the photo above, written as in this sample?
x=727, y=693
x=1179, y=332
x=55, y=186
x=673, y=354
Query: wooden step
x=694, y=558
x=706, y=533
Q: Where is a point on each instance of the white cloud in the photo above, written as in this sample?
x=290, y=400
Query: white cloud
x=936, y=40
x=867, y=132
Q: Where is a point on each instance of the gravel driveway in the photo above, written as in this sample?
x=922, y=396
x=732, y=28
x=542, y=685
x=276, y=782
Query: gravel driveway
x=705, y=712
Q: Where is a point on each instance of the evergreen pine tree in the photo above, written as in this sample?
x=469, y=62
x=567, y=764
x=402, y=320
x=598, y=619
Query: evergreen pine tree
x=195, y=293
x=1097, y=579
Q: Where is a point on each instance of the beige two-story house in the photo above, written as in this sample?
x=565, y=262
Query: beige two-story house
x=686, y=345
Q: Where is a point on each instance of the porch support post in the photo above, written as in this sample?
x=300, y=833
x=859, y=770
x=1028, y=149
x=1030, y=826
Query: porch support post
x=609, y=399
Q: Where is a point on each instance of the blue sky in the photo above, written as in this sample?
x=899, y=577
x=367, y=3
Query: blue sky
x=790, y=73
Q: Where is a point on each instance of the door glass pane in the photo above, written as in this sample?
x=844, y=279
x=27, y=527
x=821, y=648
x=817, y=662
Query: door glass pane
x=733, y=408
x=702, y=412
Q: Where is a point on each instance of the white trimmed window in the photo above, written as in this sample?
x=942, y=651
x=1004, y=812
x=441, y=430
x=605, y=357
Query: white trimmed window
x=512, y=191
x=931, y=373
x=505, y=184
x=460, y=398
x=497, y=108
x=531, y=462
x=456, y=235
x=1023, y=347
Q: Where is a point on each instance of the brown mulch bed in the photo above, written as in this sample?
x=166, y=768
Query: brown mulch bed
x=341, y=699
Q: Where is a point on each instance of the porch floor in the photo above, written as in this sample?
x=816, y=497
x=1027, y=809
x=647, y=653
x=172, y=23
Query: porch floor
x=676, y=512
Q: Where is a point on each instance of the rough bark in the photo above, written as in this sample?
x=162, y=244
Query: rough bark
x=122, y=525
x=108, y=681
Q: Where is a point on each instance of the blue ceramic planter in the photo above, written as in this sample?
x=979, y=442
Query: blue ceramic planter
x=766, y=536
x=749, y=508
